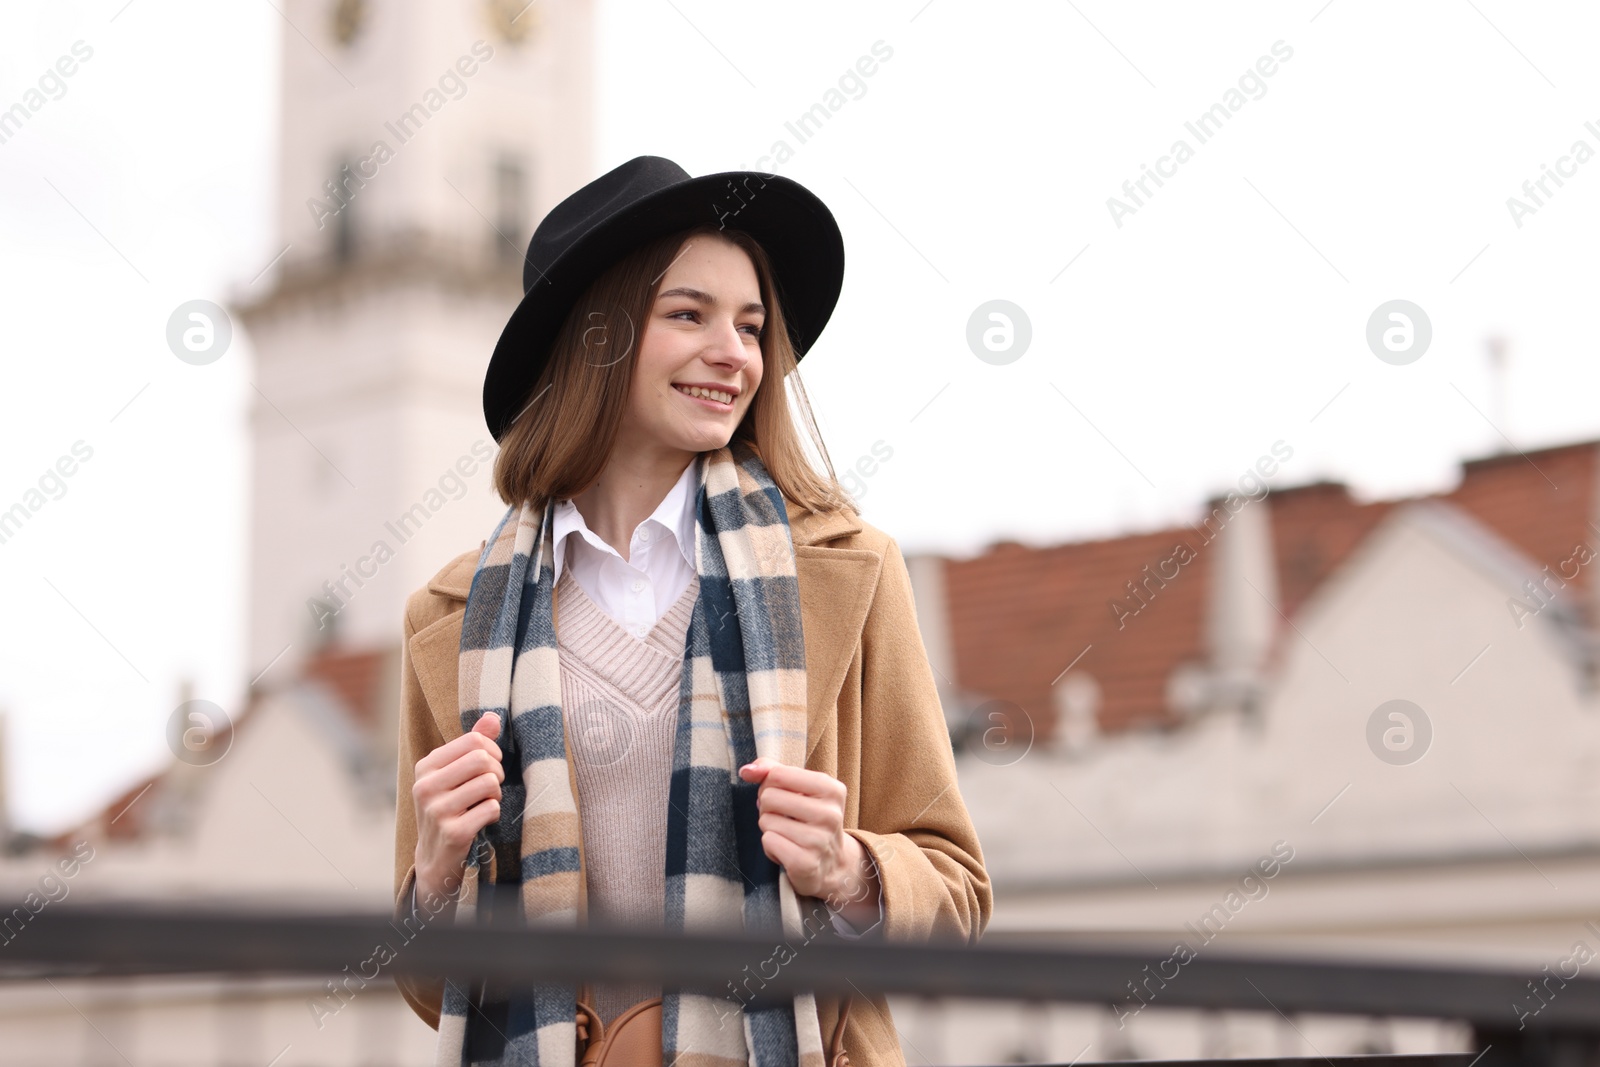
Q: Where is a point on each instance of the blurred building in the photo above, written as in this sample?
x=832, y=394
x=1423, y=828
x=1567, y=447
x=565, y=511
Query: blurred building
x=1398, y=696
x=1146, y=725
x=419, y=143
x=290, y=805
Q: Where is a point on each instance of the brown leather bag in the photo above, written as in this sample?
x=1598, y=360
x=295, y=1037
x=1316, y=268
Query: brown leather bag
x=634, y=1038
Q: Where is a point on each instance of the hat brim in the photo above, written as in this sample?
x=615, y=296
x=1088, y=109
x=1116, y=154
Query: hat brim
x=794, y=227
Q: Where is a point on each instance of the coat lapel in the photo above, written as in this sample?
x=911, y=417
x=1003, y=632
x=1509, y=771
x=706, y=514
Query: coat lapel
x=836, y=587
x=835, y=592
x=435, y=653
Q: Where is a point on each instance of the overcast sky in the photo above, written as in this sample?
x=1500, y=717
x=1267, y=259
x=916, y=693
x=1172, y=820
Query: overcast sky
x=1174, y=339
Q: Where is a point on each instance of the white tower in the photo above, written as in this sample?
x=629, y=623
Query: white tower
x=421, y=142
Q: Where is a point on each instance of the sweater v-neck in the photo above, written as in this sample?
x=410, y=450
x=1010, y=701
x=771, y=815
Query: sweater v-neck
x=646, y=668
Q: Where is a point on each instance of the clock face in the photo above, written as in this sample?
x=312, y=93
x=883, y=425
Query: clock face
x=514, y=21
x=347, y=18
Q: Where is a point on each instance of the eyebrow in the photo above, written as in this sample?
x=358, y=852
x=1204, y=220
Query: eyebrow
x=701, y=297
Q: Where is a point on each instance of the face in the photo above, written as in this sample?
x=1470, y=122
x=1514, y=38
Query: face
x=699, y=360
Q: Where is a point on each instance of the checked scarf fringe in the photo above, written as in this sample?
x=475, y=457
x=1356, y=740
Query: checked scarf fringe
x=743, y=695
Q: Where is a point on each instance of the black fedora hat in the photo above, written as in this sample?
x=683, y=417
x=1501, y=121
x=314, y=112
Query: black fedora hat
x=645, y=198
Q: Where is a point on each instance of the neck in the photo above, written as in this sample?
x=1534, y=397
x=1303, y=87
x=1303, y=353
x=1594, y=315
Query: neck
x=632, y=485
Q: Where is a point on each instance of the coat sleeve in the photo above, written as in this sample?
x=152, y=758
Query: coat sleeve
x=418, y=736
x=911, y=818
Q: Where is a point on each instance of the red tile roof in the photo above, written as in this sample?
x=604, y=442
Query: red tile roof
x=123, y=818
x=1314, y=530
x=356, y=678
x=1542, y=503
x=1019, y=616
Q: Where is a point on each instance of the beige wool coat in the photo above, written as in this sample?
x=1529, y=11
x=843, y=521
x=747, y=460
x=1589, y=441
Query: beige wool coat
x=874, y=722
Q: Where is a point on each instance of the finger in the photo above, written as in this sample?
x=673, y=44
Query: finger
x=488, y=725
x=800, y=865
x=784, y=852
x=464, y=768
x=451, y=804
x=461, y=829
x=452, y=749
x=812, y=839
x=800, y=780
x=800, y=806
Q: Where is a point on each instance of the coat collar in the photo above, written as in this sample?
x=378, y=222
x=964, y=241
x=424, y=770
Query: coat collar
x=805, y=527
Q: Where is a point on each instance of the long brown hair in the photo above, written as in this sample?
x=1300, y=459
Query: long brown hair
x=559, y=443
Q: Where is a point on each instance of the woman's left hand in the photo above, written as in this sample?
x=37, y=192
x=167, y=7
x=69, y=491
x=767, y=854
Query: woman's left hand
x=802, y=824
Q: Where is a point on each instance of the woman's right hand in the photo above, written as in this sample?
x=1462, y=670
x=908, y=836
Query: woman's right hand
x=457, y=793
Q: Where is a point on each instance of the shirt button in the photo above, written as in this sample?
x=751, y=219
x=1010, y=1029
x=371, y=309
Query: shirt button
x=638, y=584
x=644, y=535
x=641, y=629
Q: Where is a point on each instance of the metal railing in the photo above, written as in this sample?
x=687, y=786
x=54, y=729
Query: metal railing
x=119, y=940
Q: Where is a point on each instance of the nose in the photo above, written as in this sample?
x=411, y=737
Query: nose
x=726, y=348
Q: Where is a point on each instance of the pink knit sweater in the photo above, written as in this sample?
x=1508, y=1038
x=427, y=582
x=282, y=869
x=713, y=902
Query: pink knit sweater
x=619, y=695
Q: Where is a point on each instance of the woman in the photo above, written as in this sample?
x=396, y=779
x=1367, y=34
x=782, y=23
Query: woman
x=716, y=660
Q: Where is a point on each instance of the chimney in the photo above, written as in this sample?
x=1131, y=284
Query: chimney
x=1499, y=350
x=1241, y=607
x=1077, y=708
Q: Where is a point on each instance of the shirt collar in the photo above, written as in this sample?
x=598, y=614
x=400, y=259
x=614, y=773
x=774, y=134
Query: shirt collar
x=675, y=515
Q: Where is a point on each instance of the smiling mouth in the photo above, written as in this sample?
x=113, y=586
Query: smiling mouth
x=714, y=396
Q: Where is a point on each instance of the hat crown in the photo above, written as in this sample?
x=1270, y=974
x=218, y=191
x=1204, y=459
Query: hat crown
x=613, y=192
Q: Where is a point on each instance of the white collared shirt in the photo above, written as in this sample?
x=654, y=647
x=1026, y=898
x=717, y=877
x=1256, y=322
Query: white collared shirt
x=638, y=590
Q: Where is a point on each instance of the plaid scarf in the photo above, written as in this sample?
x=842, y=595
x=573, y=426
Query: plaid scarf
x=742, y=695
